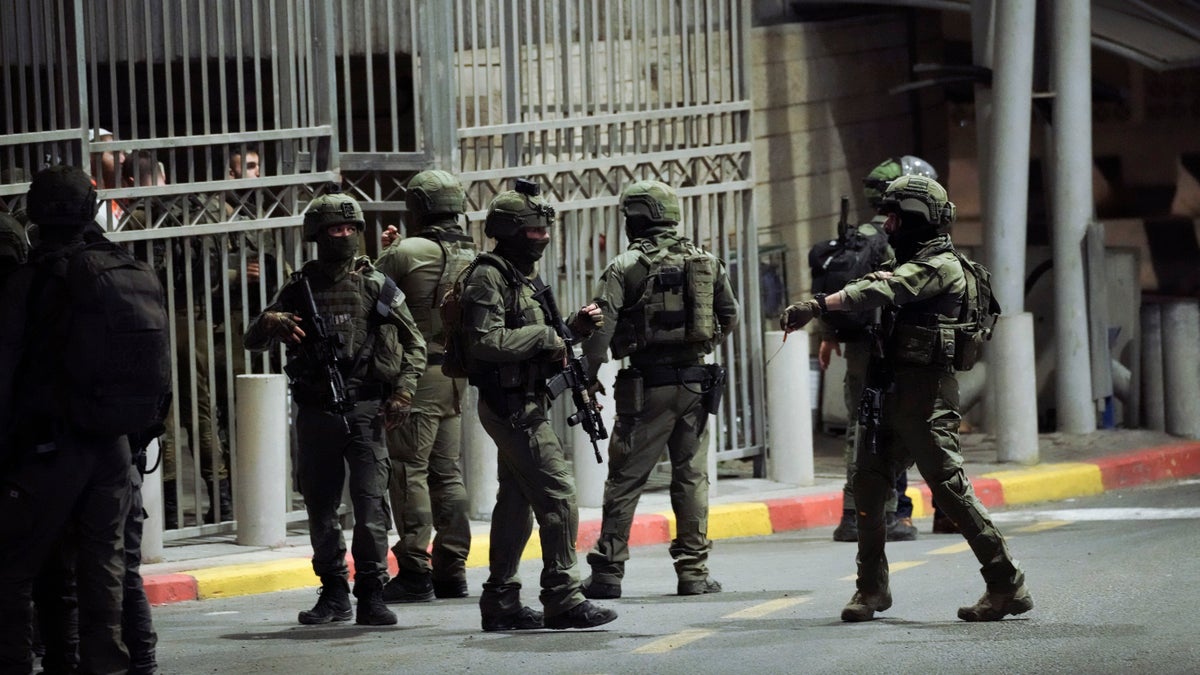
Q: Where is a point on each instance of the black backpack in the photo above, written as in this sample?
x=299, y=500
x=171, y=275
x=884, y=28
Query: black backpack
x=116, y=353
x=837, y=262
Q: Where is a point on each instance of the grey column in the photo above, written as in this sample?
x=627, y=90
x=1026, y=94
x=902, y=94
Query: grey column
x=983, y=19
x=439, y=83
x=1153, y=406
x=1013, y=385
x=1181, y=367
x=1072, y=212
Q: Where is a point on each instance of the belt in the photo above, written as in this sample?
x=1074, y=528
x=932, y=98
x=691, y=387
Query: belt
x=661, y=376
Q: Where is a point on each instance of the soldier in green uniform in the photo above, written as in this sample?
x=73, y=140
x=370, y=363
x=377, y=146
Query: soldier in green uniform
x=510, y=350
x=14, y=247
x=920, y=417
x=427, y=485
x=847, y=337
x=380, y=355
x=667, y=304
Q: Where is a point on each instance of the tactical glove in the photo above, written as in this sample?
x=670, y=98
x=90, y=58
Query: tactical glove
x=396, y=409
x=799, y=315
x=558, y=352
x=586, y=321
x=282, y=326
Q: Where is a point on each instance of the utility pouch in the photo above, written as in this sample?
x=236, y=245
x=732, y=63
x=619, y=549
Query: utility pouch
x=968, y=348
x=948, y=346
x=916, y=345
x=628, y=391
x=711, y=399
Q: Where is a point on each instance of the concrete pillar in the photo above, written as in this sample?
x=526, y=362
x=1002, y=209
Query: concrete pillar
x=261, y=480
x=1017, y=433
x=789, y=411
x=1013, y=389
x=1072, y=212
x=590, y=474
x=152, y=502
x=1154, y=408
x=1181, y=366
x=479, y=460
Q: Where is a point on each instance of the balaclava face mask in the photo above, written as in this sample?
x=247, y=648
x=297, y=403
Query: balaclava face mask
x=521, y=250
x=908, y=234
x=336, y=250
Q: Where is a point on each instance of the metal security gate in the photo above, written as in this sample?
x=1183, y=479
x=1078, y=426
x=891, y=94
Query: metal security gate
x=583, y=95
x=588, y=96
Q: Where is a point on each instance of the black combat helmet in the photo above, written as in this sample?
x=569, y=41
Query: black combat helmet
x=63, y=197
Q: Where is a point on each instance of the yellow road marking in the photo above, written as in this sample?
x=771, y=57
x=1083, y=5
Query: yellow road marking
x=892, y=567
x=765, y=608
x=1043, y=526
x=670, y=642
x=952, y=548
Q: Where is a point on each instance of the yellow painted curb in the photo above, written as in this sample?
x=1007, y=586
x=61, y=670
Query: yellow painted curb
x=918, y=501
x=481, y=546
x=232, y=580
x=726, y=521
x=1049, y=482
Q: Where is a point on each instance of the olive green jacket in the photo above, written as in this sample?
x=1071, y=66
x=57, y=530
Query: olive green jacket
x=932, y=282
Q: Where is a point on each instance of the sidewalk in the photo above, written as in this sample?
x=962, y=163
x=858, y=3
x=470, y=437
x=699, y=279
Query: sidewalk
x=1071, y=466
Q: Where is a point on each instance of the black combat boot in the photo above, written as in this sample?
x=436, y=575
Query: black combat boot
x=332, y=605
x=600, y=590
x=525, y=618
x=450, y=588
x=583, y=615
x=847, y=530
x=409, y=588
x=371, y=609
x=170, y=504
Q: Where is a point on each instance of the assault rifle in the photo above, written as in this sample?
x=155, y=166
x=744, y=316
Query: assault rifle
x=323, y=346
x=574, y=375
x=870, y=404
x=843, y=223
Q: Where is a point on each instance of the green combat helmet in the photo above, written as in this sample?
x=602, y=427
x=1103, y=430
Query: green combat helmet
x=889, y=170
x=515, y=210
x=435, y=193
x=922, y=197
x=331, y=209
x=653, y=200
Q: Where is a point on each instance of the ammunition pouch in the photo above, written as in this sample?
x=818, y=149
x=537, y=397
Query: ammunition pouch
x=629, y=392
x=924, y=345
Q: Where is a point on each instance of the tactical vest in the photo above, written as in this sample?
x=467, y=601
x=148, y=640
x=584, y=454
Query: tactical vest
x=674, y=298
x=948, y=330
x=346, y=305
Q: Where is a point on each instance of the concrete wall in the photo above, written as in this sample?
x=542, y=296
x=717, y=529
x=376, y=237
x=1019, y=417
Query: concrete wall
x=823, y=118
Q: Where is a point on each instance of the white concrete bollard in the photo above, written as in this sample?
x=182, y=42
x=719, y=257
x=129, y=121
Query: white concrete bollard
x=261, y=480
x=152, y=502
x=1014, y=387
x=789, y=410
x=590, y=474
x=479, y=459
x=1181, y=367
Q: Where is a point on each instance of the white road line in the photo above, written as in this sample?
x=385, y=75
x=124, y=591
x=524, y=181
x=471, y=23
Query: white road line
x=1099, y=514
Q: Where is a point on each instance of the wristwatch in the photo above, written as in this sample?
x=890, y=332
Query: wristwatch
x=820, y=298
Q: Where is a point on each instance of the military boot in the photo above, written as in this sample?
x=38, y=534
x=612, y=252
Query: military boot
x=223, y=497
x=450, y=588
x=698, y=586
x=900, y=529
x=997, y=604
x=599, y=590
x=525, y=618
x=332, y=605
x=862, y=606
x=170, y=506
x=847, y=530
x=371, y=608
x=583, y=615
x=409, y=588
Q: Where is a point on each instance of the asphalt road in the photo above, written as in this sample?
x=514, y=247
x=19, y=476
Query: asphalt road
x=1114, y=580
